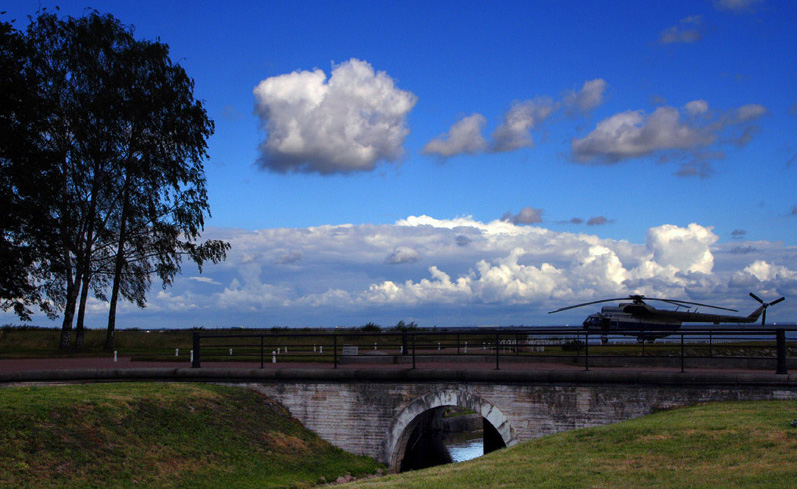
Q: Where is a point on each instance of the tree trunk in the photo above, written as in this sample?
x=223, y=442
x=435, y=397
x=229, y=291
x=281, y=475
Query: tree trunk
x=117, y=273
x=81, y=312
x=69, y=309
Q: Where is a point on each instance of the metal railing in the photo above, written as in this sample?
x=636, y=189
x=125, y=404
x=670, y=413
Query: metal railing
x=753, y=348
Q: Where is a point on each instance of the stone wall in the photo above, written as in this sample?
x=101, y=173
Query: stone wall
x=375, y=418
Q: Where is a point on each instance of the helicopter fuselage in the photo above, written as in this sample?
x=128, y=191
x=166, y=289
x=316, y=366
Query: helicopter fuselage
x=617, y=320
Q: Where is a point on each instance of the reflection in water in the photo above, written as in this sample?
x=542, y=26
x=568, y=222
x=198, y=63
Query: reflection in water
x=465, y=448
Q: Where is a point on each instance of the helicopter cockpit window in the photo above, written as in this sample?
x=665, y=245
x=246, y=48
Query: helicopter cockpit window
x=592, y=321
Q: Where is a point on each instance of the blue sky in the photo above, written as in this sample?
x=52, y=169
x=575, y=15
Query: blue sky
x=459, y=163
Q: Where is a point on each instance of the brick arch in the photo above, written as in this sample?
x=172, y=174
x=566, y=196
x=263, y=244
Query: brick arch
x=408, y=418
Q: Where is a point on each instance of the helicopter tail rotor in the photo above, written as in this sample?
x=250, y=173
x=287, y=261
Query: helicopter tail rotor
x=765, y=305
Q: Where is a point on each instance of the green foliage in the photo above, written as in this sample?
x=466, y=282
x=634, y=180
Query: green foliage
x=159, y=435
x=101, y=167
x=371, y=328
x=402, y=326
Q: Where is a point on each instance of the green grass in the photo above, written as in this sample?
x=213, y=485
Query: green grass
x=737, y=444
x=159, y=435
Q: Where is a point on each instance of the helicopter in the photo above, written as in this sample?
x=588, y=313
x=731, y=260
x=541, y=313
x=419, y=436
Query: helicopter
x=637, y=318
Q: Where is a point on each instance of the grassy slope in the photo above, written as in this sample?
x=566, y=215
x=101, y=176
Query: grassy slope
x=749, y=444
x=158, y=435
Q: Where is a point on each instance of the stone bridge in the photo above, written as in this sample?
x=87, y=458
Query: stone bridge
x=374, y=412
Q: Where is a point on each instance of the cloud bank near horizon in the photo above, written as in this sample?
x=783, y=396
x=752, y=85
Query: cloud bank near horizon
x=460, y=271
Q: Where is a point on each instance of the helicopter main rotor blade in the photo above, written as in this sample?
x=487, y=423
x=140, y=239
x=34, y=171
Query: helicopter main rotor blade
x=687, y=303
x=587, y=304
x=756, y=298
x=776, y=301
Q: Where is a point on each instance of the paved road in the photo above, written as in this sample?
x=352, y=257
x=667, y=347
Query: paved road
x=57, y=364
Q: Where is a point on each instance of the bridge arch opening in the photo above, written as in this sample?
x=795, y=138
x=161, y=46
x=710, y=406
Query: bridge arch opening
x=415, y=432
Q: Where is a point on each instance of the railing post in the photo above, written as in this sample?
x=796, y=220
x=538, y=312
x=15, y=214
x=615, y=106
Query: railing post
x=780, y=339
x=404, y=345
x=682, y=353
x=413, y=351
x=261, y=351
x=195, y=363
x=335, y=350
x=710, y=345
x=497, y=351
x=586, y=350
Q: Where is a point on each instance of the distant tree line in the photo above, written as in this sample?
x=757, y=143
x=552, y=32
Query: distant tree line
x=102, y=185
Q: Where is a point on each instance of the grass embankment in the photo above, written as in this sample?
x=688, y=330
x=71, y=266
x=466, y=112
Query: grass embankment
x=159, y=435
x=739, y=444
x=43, y=343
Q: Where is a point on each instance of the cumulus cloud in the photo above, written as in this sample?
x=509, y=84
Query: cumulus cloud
x=687, y=31
x=589, y=97
x=515, y=131
x=464, y=137
x=345, y=124
x=686, y=249
x=479, y=272
x=527, y=215
x=693, y=132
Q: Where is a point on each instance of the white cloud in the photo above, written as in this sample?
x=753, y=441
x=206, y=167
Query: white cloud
x=631, y=134
x=686, y=249
x=589, y=97
x=346, y=124
x=472, y=271
x=514, y=132
x=464, y=137
x=764, y=271
x=693, y=133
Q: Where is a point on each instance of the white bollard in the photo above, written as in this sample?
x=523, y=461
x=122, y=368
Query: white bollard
x=314, y=349
x=320, y=348
x=286, y=349
x=278, y=350
x=273, y=357
x=114, y=356
x=374, y=346
x=466, y=347
x=438, y=347
x=401, y=349
x=191, y=359
x=230, y=351
x=177, y=352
